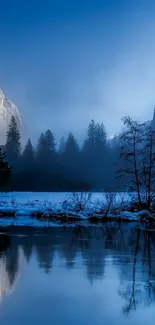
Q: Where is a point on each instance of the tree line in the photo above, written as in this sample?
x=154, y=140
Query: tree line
x=127, y=164
x=63, y=167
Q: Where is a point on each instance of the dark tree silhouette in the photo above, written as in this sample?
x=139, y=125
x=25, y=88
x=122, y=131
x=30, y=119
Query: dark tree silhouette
x=62, y=145
x=71, y=146
x=41, y=147
x=5, y=172
x=28, y=153
x=13, y=145
x=138, y=160
x=95, y=155
x=89, y=167
x=50, y=141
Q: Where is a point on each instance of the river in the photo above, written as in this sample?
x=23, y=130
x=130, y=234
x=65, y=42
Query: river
x=78, y=275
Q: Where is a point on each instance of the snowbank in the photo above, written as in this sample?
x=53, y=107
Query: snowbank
x=21, y=209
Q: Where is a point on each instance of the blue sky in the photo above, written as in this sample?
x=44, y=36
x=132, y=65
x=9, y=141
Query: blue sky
x=66, y=62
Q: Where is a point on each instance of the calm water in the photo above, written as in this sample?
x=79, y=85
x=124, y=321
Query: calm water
x=93, y=276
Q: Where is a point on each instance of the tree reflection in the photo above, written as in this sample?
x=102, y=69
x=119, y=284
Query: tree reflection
x=131, y=252
x=8, y=265
x=4, y=243
x=12, y=264
x=140, y=290
x=88, y=242
x=45, y=252
x=129, y=294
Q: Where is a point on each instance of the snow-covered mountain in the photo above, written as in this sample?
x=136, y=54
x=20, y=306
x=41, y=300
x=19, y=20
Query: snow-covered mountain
x=7, y=109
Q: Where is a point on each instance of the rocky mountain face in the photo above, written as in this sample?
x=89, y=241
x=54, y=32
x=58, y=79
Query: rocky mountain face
x=7, y=109
x=153, y=121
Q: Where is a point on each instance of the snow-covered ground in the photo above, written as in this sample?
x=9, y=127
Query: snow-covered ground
x=47, y=209
x=26, y=197
x=52, y=197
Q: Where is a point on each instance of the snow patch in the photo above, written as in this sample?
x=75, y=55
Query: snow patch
x=46, y=209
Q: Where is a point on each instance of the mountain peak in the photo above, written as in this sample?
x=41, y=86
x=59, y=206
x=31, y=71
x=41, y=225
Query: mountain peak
x=7, y=109
x=1, y=93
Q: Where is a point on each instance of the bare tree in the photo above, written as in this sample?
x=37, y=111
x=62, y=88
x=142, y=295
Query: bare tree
x=81, y=200
x=137, y=152
x=108, y=203
x=148, y=166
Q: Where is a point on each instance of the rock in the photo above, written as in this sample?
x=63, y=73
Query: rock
x=7, y=110
x=144, y=214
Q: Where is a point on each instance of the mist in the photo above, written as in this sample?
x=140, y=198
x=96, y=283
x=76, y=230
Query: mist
x=70, y=63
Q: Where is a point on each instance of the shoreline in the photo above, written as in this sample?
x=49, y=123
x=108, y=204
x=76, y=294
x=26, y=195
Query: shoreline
x=61, y=219
x=53, y=209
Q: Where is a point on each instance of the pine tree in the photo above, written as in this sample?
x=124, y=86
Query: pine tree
x=50, y=141
x=28, y=153
x=62, y=145
x=27, y=167
x=5, y=171
x=71, y=163
x=41, y=147
x=100, y=138
x=89, y=144
x=13, y=146
x=71, y=146
x=96, y=140
x=95, y=155
x=46, y=146
x=46, y=161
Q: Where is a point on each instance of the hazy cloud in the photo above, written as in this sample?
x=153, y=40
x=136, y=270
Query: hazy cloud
x=79, y=62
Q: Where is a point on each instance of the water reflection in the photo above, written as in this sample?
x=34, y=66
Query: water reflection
x=8, y=266
x=130, y=251
x=140, y=290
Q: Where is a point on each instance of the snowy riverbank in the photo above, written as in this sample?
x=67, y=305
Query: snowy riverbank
x=49, y=209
